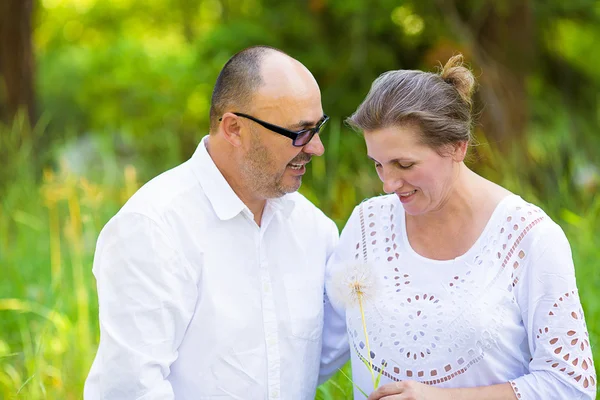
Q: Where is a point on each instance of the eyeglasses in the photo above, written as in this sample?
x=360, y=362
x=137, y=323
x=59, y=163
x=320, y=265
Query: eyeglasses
x=300, y=138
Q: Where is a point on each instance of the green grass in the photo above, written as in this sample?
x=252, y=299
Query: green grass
x=49, y=224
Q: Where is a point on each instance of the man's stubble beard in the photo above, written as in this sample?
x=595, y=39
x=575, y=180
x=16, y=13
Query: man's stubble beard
x=259, y=171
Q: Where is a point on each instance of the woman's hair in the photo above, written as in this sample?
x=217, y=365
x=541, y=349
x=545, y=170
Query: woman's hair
x=440, y=104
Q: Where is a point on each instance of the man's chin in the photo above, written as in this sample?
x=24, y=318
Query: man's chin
x=295, y=185
x=280, y=192
x=290, y=187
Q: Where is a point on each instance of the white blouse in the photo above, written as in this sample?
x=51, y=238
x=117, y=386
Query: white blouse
x=507, y=310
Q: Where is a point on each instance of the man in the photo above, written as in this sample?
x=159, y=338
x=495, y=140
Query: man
x=210, y=278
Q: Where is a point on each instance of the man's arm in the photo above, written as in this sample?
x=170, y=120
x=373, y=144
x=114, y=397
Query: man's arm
x=146, y=295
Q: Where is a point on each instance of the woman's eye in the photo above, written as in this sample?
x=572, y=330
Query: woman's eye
x=406, y=166
x=377, y=165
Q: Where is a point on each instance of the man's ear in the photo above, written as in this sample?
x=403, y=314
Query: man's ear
x=459, y=151
x=230, y=128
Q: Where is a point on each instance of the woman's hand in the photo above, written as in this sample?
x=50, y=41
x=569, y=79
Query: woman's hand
x=408, y=390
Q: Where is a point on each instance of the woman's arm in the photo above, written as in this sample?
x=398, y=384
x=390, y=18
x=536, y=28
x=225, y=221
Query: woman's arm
x=411, y=390
x=561, y=365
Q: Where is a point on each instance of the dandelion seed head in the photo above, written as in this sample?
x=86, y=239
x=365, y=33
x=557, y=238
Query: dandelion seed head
x=352, y=283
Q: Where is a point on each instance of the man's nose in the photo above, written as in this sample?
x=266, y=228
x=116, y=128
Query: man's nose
x=315, y=146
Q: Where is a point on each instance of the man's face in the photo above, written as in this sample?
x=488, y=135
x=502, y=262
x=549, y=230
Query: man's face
x=271, y=166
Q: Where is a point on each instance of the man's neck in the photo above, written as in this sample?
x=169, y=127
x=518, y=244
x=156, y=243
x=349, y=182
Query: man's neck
x=256, y=206
x=222, y=160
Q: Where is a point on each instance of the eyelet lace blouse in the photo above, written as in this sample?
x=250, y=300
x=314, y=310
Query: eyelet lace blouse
x=507, y=310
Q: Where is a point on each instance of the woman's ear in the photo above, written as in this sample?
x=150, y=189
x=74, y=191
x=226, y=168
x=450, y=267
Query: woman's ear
x=230, y=128
x=459, y=151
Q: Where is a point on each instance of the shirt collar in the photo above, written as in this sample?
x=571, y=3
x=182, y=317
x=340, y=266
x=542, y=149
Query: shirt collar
x=221, y=196
x=225, y=202
x=283, y=204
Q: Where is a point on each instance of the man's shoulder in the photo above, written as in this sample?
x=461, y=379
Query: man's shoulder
x=304, y=208
x=171, y=189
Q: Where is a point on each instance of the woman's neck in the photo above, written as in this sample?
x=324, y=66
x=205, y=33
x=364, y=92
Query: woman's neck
x=452, y=229
x=459, y=204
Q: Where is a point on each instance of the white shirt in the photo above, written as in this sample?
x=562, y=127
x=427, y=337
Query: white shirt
x=198, y=302
x=507, y=310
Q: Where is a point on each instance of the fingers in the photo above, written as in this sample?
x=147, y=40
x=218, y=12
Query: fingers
x=404, y=390
x=383, y=392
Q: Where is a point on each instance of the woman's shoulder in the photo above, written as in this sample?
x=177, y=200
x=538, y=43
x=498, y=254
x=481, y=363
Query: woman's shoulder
x=525, y=222
x=373, y=208
x=516, y=209
x=381, y=203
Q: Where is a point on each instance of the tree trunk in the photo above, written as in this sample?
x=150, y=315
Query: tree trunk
x=505, y=53
x=499, y=36
x=16, y=59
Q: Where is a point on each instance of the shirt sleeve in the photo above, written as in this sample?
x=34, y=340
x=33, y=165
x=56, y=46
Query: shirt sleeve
x=336, y=350
x=146, y=297
x=561, y=366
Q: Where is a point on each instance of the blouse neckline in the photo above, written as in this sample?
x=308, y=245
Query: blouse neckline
x=497, y=211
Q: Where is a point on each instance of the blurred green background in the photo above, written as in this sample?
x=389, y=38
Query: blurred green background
x=97, y=97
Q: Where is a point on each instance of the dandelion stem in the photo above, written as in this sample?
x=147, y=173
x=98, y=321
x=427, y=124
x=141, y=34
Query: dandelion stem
x=364, y=324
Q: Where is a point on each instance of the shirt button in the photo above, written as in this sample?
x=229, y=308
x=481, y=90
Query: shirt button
x=266, y=288
x=275, y=394
x=272, y=342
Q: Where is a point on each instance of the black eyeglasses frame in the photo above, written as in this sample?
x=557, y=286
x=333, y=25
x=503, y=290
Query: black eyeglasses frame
x=299, y=138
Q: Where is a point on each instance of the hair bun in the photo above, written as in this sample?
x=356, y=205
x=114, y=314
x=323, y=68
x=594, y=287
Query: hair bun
x=459, y=76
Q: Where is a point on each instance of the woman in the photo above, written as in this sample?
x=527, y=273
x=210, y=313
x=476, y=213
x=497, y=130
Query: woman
x=473, y=292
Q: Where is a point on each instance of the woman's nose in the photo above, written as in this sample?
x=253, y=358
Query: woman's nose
x=391, y=183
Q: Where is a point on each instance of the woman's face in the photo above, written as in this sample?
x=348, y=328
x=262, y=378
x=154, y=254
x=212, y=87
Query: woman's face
x=419, y=175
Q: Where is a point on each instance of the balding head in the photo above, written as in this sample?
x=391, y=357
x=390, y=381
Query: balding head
x=262, y=68
x=262, y=100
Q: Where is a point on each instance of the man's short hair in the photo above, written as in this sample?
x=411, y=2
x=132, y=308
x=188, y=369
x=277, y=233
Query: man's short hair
x=237, y=82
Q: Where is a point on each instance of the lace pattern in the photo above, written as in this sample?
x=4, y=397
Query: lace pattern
x=566, y=335
x=436, y=335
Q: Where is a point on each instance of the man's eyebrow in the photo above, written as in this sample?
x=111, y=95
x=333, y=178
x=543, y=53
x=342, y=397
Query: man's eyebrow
x=305, y=124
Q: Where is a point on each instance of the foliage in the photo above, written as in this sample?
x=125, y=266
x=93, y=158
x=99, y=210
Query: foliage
x=144, y=71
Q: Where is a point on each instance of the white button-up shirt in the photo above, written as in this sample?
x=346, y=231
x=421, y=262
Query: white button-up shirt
x=198, y=302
